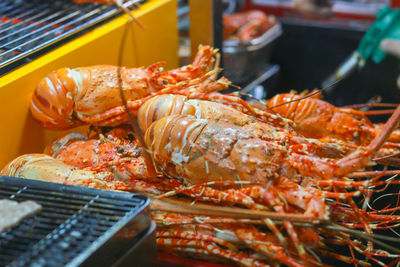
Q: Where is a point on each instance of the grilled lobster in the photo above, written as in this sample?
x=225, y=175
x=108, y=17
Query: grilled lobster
x=201, y=151
x=189, y=141
x=67, y=98
x=250, y=162
x=166, y=105
x=317, y=118
x=246, y=25
x=42, y=167
x=114, y=151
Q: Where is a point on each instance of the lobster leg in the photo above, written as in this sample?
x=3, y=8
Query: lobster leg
x=344, y=258
x=239, y=257
x=313, y=205
x=205, y=193
x=273, y=201
x=193, y=236
x=253, y=238
x=167, y=219
x=235, y=197
x=361, y=158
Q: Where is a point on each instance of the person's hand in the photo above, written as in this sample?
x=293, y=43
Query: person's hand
x=392, y=47
x=313, y=8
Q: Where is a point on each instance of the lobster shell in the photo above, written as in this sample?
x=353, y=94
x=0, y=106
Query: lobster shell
x=54, y=108
x=203, y=150
x=65, y=96
x=165, y=105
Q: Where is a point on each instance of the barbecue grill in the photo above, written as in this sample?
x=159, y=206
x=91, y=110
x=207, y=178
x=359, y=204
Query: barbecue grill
x=29, y=27
x=77, y=226
x=74, y=36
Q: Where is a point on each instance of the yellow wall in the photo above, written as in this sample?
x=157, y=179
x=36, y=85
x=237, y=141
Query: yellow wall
x=20, y=133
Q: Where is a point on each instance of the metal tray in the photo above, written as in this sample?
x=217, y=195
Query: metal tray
x=77, y=226
x=242, y=61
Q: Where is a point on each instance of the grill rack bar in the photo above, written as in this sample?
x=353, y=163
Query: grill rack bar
x=49, y=24
x=74, y=222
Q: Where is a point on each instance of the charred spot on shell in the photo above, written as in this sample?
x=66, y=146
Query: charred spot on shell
x=130, y=136
x=106, y=129
x=136, y=152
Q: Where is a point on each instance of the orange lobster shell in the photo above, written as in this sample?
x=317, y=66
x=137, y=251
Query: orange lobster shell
x=246, y=25
x=316, y=118
x=66, y=98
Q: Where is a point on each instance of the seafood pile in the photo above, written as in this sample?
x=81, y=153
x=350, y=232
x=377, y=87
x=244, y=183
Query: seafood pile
x=244, y=26
x=231, y=182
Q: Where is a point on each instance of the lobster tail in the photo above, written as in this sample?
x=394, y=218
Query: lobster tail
x=160, y=107
x=42, y=167
x=165, y=105
x=179, y=131
x=37, y=167
x=288, y=110
x=53, y=99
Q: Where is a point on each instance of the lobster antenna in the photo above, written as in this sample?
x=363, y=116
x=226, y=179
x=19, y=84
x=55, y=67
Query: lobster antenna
x=298, y=99
x=236, y=86
x=171, y=205
x=372, y=105
x=369, y=237
x=132, y=119
x=119, y=4
x=391, y=160
x=251, y=96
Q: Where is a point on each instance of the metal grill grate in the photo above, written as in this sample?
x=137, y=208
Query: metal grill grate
x=29, y=26
x=73, y=224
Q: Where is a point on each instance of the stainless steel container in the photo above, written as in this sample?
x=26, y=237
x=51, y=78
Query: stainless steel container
x=242, y=61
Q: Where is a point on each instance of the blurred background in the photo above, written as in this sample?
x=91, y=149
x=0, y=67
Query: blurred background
x=311, y=44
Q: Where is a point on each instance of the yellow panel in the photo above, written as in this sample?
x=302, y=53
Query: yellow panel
x=201, y=24
x=20, y=133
